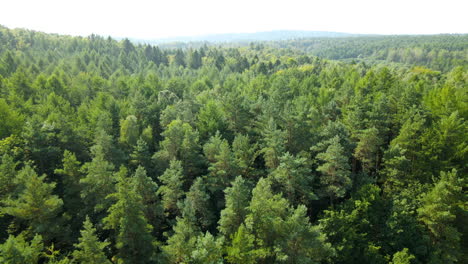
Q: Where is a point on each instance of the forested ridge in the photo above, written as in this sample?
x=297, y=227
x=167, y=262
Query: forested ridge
x=271, y=152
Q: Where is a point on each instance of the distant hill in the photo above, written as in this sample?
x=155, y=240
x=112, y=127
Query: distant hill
x=257, y=36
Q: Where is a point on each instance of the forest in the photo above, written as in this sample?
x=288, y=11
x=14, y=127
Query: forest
x=320, y=150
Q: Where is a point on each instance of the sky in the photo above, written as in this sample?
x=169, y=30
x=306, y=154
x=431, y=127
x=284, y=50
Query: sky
x=145, y=19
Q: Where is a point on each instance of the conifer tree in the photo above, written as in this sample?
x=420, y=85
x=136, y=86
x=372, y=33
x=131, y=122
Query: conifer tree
x=242, y=248
x=35, y=204
x=90, y=249
x=147, y=189
x=171, y=189
x=294, y=178
x=7, y=175
x=208, y=250
x=70, y=176
x=440, y=209
x=16, y=250
x=182, y=242
x=126, y=217
x=196, y=207
x=99, y=181
x=237, y=200
x=335, y=170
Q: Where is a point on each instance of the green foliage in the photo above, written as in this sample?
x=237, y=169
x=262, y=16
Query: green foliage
x=278, y=228
x=7, y=175
x=16, y=250
x=440, y=209
x=90, y=249
x=237, y=199
x=11, y=120
x=99, y=180
x=211, y=119
x=181, y=143
x=294, y=178
x=126, y=217
x=171, y=189
x=196, y=206
x=242, y=249
x=34, y=203
x=402, y=257
x=208, y=250
x=129, y=131
x=352, y=227
x=335, y=170
x=182, y=243
x=367, y=126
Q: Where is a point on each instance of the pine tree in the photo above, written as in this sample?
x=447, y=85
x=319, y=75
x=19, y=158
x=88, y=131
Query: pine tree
x=147, y=189
x=126, y=217
x=35, y=204
x=439, y=212
x=129, y=131
x=367, y=149
x=196, y=207
x=402, y=257
x=335, y=170
x=242, y=248
x=181, y=143
x=245, y=154
x=222, y=166
x=274, y=145
x=70, y=176
x=7, y=176
x=182, y=242
x=281, y=232
x=208, y=250
x=141, y=155
x=99, y=180
x=294, y=178
x=90, y=249
x=237, y=200
x=171, y=189
x=16, y=250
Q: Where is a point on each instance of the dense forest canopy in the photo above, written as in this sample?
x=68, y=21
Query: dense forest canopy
x=339, y=150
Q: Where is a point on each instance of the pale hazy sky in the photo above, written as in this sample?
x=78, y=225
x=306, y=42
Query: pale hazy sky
x=158, y=19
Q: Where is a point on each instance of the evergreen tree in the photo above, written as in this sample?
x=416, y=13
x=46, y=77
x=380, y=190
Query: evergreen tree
x=245, y=154
x=129, y=131
x=271, y=220
x=90, y=249
x=126, y=217
x=402, y=257
x=7, y=176
x=171, y=189
x=335, y=170
x=147, y=189
x=181, y=143
x=16, y=250
x=35, y=205
x=222, y=166
x=294, y=179
x=242, y=248
x=71, y=175
x=208, y=249
x=274, y=145
x=99, y=181
x=439, y=212
x=141, y=155
x=196, y=207
x=237, y=200
x=182, y=242
x=367, y=149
